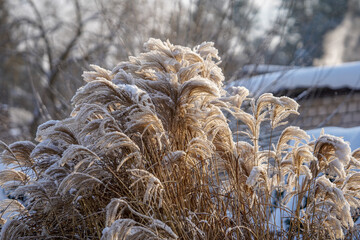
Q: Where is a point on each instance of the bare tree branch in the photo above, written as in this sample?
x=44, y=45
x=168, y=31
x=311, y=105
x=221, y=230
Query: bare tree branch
x=70, y=45
x=43, y=33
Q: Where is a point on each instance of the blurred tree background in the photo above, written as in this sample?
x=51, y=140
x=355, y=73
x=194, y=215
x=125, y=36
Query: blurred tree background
x=306, y=26
x=45, y=45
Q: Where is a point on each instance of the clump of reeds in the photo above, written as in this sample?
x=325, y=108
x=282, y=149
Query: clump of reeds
x=147, y=153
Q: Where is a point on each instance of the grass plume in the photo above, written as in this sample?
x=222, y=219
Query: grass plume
x=147, y=153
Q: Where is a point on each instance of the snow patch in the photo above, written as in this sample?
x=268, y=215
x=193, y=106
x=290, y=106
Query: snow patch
x=334, y=77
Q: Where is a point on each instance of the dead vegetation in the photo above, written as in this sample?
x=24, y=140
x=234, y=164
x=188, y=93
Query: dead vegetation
x=147, y=153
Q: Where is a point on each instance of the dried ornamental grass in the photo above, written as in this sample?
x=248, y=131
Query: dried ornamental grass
x=147, y=153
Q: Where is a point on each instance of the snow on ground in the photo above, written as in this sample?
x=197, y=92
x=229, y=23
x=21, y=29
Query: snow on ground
x=335, y=77
x=2, y=193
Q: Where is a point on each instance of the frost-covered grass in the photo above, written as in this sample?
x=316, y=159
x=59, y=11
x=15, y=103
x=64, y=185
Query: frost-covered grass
x=351, y=135
x=147, y=153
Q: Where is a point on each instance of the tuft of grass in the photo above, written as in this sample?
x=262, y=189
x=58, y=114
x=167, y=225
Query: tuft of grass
x=147, y=153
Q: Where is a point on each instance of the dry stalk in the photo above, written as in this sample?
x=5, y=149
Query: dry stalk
x=147, y=153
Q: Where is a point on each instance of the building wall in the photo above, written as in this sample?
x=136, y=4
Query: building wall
x=336, y=110
x=315, y=112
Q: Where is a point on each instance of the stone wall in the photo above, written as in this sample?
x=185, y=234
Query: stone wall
x=331, y=110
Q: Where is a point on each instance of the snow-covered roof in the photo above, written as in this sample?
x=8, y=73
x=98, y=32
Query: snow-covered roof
x=334, y=77
x=265, y=68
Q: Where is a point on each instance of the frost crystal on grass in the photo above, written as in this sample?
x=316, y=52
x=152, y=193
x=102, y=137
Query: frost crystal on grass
x=147, y=153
